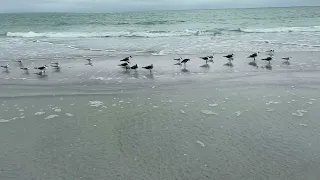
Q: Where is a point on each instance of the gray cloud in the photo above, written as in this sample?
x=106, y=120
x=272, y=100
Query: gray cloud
x=124, y=5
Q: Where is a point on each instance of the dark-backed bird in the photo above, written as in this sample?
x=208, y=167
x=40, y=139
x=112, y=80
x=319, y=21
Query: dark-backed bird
x=42, y=68
x=211, y=57
x=123, y=64
x=205, y=58
x=185, y=61
x=286, y=58
x=5, y=66
x=89, y=60
x=150, y=67
x=25, y=68
x=267, y=59
x=229, y=56
x=254, y=55
x=134, y=67
x=126, y=59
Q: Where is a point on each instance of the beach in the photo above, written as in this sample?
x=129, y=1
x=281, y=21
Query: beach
x=101, y=121
x=95, y=122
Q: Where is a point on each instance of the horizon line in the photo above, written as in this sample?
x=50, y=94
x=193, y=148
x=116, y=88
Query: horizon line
x=124, y=11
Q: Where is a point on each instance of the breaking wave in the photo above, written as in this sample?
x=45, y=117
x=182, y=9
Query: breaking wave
x=281, y=30
x=146, y=34
x=159, y=33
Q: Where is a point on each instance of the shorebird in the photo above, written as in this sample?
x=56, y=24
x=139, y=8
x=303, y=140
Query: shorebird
x=177, y=59
x=211, y=57
x=25, y=68
x=229, y=56
x=126, y=59
x=185, y=61
x=19, y=61
x=55, y=66
x=205, y=58
x=254, y=55
x=286, y=58
x=89, y=60
x=39, y=73
x=135, y=67
x=123, y=65
x=42, y=68
x=267, y=59
x=5, y=67
x=270, y=52
x=150, y=67
x=55, y=63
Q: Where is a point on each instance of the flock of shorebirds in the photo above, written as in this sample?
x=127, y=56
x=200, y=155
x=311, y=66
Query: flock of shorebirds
x=181, y=61
x=230, y=57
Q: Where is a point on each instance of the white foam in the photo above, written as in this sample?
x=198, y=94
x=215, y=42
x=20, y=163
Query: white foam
x=283, y=29
x=182, y=111
x=311, y=102
x=57, y=110
x=208, y=112
x=299, y=113
x=272, y=102
x=213, y=105
x=155, y=106
x=238, y=113
x=39, y=113
x=51, y=116
x=201, y=143
x=95, y=103
x=269, y=110
x=304, y=125
x=4, y=120
x=69, y=114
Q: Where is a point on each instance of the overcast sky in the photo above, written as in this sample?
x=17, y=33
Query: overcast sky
x=127, y=5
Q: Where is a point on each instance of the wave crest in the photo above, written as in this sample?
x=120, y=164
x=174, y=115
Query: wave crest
x=159, y=33
x=146, y=34
x=281, y=30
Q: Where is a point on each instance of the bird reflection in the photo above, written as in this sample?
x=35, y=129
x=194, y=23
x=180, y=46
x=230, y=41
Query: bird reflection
x=150, y=76
x=205, y=66
x=229, y=64
x=185, y=70
x=286, y=63
x=253, y=63
x=269, y=67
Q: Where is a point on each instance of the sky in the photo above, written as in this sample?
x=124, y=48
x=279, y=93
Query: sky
x=138, y=5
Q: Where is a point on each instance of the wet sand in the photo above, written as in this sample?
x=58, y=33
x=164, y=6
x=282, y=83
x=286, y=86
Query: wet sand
x=101, y=122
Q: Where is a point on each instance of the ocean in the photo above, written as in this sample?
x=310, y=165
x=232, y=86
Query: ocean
x=160, y=33
x=229, y=119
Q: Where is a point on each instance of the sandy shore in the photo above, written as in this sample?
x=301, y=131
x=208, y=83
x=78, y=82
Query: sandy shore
x=100, y=122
